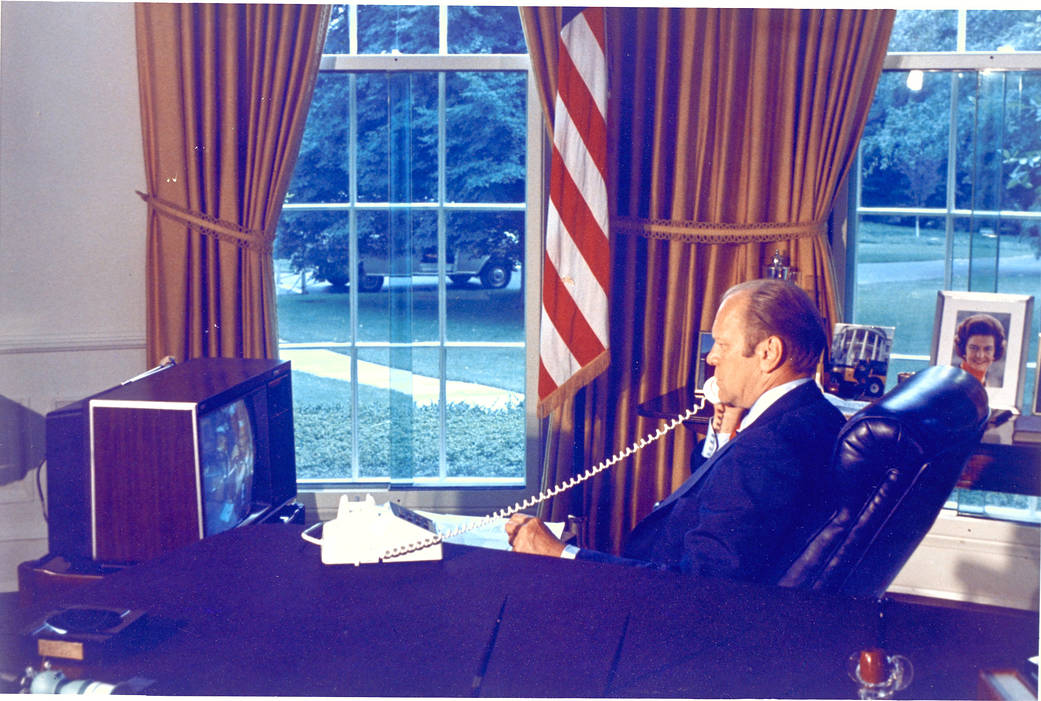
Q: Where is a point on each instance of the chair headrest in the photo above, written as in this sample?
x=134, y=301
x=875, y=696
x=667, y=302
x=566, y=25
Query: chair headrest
x=939, y=408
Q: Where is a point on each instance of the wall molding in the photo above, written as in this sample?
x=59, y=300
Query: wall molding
x=70, y=343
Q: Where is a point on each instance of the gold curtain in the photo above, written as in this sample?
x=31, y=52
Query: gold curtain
x=225, y=91
x=730, y=132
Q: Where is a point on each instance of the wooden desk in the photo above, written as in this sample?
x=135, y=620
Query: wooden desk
x=253, y=611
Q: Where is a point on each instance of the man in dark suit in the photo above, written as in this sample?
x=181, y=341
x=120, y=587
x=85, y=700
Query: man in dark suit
x=748, y=507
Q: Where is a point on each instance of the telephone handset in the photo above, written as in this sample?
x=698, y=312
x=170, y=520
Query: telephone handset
x=365, y=532
x=710, y=390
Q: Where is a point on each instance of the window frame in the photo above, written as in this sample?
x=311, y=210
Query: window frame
x=941, y=61
x=321, y=498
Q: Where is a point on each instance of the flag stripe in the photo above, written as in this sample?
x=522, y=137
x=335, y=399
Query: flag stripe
x=576, y=218
x=557, y=362
x=570, y=323
x=586, y=121
x=583, y=286
x=585, y=52
x=576, y=265
x=582, y=166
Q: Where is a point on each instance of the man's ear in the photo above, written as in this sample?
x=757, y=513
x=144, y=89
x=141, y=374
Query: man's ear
x=771, y=353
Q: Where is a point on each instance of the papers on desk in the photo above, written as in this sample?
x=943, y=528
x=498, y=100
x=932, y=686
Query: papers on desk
x=492, y=535
x=848, y=407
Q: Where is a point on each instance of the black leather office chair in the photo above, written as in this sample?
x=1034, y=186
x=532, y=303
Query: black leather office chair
x=894, y=465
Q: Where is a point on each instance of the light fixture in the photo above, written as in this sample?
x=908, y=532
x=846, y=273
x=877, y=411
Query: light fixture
x=914, y=80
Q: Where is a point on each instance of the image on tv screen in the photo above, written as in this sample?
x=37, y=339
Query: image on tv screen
x=227, y=457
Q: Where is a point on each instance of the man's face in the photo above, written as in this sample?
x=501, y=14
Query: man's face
x=739, y=376
x=979, y=352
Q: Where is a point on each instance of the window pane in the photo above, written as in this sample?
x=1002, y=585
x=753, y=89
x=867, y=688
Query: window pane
x=924, y=30
x=338, y=35
x=1022, y=159
x=485, y=417
x=315, y=246
x=322, y=172
x=484, y=30
x=322, y=423
x=900, y=258
x=384, y=253
x=999, y=140
x=905, y=143
x=376, y=426
x=981, y=128
x=397, y=115
x=373, y=137
x=487, y=132
x=990, y=30
x=486, y=302
x=962, y=252
x=415, y=421
x=405, y=29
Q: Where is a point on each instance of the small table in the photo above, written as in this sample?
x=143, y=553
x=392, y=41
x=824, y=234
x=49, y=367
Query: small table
x=670, y=405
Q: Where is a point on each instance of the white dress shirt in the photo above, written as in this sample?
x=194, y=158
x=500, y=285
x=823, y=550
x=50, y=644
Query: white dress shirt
x=714, y=441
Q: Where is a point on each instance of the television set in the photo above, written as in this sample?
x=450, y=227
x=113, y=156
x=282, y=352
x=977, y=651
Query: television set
x=170, y=458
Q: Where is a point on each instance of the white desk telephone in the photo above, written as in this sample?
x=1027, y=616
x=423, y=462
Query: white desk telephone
x=363, y=532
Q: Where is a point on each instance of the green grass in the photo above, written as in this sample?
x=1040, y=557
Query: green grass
x=472, y=315
x=398, y=438
x=395, y=434
x=881, y=242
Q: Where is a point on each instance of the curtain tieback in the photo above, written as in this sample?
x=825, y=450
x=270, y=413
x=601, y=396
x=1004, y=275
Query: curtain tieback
x=257, y=240
x=717, y=232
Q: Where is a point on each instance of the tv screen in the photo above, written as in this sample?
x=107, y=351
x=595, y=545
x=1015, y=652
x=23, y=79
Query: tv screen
x=227, y=454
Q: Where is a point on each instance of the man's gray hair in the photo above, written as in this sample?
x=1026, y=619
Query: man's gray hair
x=780, y=308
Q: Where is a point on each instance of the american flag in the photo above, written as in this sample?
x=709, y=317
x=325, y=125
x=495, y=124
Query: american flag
x=576, y=267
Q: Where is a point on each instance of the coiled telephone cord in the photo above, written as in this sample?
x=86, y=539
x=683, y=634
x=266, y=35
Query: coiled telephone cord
x=528, y=502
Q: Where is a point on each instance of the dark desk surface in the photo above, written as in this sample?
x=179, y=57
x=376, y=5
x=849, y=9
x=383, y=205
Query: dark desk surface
x=253, y=611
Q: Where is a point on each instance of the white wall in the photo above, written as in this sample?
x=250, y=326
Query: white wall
x=72, y=233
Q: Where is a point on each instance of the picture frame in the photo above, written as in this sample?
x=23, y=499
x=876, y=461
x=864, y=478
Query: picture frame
x=703, y=370
x=1002, y=371
x=856, y=364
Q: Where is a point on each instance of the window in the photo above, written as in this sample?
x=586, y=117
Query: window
x=947, y=191
x=401, y=254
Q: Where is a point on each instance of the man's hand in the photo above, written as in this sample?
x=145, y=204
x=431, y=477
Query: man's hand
x=527, y=534
x=726, y=419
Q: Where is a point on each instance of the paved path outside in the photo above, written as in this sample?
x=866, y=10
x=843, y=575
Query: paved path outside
x=425, y=390
x=905, y=271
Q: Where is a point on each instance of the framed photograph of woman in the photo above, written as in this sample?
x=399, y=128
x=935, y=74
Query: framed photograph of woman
x=986, y=334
